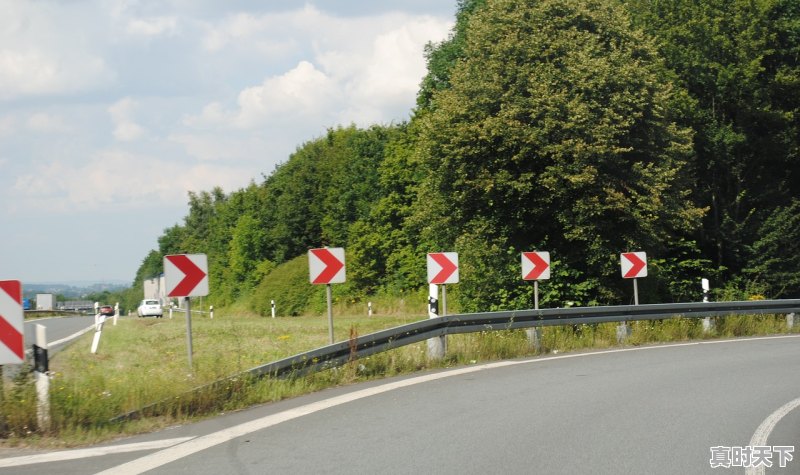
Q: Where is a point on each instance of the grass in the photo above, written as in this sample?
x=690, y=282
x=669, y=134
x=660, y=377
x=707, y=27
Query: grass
x=144, y=361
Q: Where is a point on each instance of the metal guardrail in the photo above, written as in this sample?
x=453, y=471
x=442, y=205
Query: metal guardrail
x=339, y=353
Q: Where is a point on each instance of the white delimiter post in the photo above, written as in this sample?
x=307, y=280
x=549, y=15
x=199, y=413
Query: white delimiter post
x=42, y=384
x=437, y=346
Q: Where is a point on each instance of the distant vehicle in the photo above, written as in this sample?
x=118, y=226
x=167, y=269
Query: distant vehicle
x=150, y=308
x=107, y=310
x=26, y=304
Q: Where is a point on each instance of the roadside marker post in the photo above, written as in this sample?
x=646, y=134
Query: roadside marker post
x=708, y=325
x=42, y=377
x=326, y=267
x=535, y=266
x=437, y=346
x=633, y=266
x=272, y=305
x=99, y=321
x=186, y=276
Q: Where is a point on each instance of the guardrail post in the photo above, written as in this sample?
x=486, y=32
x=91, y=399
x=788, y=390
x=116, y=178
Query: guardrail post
x=437, y=346
x=790, y=321
x=623, y=332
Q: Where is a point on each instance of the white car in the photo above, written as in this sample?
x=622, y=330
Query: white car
x=150, y=308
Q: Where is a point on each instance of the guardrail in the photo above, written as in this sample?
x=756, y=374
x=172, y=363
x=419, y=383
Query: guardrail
x=339, y=353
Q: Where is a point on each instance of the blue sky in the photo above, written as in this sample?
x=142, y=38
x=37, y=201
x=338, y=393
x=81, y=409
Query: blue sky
x=111, y=111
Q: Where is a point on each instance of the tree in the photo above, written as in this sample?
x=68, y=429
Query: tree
x=557, y=132
x=739, y=61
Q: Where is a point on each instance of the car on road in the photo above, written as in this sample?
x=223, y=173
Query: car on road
x=150, y=308
x=107, y=310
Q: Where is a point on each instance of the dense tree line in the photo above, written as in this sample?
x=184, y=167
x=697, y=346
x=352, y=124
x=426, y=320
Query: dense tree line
x=585, y=128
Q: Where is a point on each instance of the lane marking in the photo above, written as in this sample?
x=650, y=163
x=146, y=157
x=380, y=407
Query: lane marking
x=92, y=452
x=198, y=444
x=765, y=429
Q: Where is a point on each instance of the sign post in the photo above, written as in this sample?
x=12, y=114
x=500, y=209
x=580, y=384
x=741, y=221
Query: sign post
x=326, y=266
x=535, y=267
x=186, y=275
x=443, y=270
x=634, y=265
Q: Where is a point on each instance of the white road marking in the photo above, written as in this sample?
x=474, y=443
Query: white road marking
x=177, y=452
x=765, y=429
x=92, y=452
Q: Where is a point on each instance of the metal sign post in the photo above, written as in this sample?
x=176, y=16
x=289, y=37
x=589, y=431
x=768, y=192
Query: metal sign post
x=189, y=330
x=635, y=293
x=329, y=294
x=185, y=276
x=326, y=266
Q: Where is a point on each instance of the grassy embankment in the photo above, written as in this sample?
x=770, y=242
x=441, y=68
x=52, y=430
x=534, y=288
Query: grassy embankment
x=144, y=361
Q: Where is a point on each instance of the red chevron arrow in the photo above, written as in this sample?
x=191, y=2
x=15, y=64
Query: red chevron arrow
x=193, y=275
x=539, y=265
x=11, y=336
x=448, y=268
x=637, y=265
x=332, y=266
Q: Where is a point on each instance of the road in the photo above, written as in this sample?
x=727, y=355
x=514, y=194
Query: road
x=59, y=330
x=655, y=410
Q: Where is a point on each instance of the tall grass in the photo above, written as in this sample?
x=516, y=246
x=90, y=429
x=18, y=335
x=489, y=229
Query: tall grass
x=144, y=363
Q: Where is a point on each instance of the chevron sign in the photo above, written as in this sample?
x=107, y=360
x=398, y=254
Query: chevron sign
x=12, y=336
x=633, y=264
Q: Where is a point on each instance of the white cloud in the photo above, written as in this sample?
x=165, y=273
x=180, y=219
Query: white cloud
x=40, y=55
x=125, y=128
x=155, y=26
x=44, y=122
x=7, y=125
x=117, y=178
x=366, y=78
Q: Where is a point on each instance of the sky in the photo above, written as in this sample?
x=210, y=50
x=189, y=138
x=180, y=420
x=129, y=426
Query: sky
x=111, y=111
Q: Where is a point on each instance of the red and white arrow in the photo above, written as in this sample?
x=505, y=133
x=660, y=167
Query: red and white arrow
x=186, y=275
x=536, y=265
x=326, y=265
x=633, y=264
x=12, y=337
x=443, y=268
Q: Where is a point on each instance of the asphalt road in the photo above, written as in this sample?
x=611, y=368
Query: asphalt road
x=643, y=410
x=58, y=329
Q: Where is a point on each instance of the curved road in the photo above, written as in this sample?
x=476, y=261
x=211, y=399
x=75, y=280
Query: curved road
x=639, y=410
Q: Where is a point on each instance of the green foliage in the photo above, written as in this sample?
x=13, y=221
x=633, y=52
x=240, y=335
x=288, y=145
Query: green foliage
x=739, y=61
x=556, y=130
x=288, y=284
x=775, y=256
